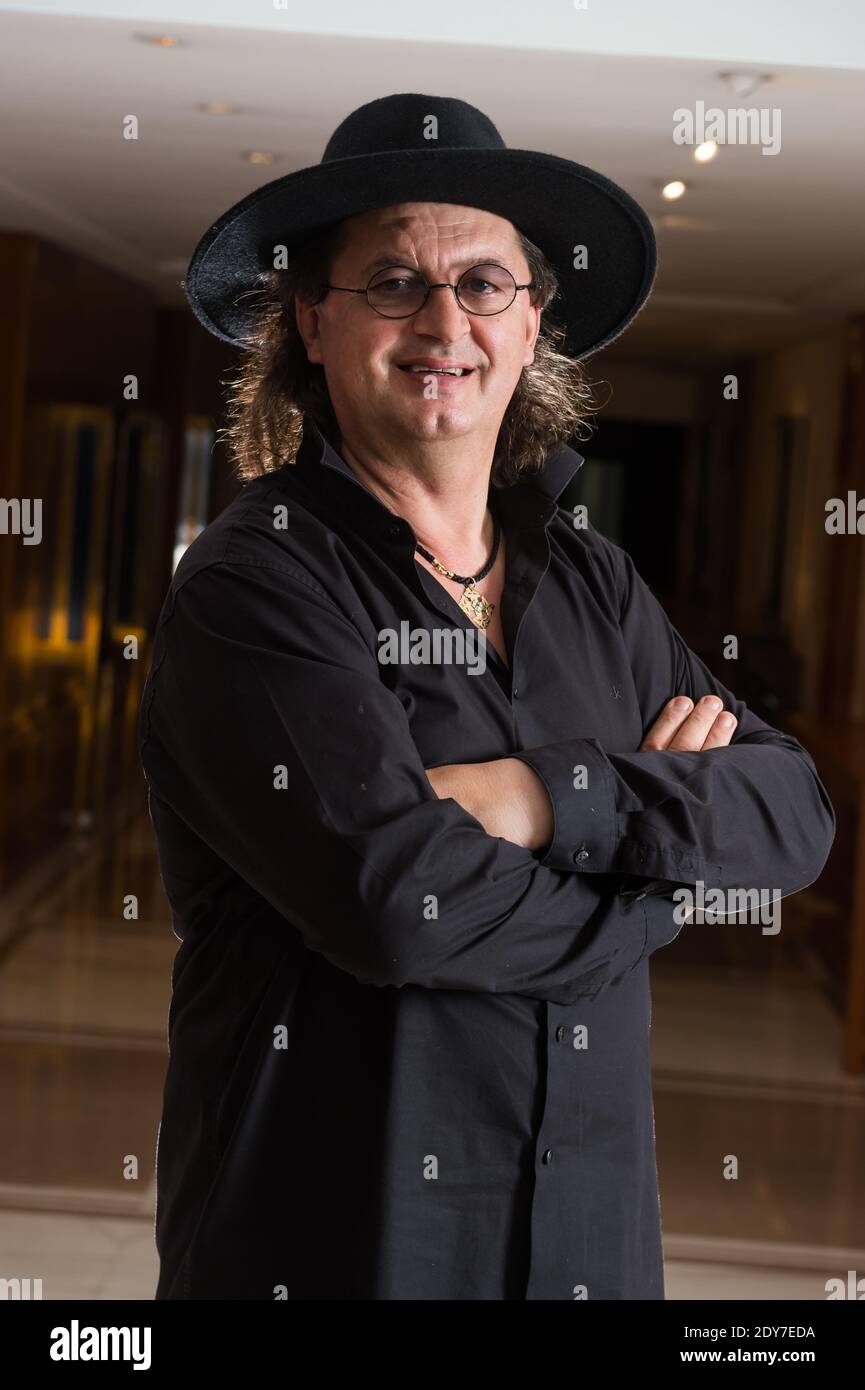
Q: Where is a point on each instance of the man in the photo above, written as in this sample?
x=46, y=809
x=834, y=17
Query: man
x=409, y=1031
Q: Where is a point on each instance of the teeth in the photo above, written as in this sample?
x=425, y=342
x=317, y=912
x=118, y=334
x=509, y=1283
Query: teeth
x=439, y=371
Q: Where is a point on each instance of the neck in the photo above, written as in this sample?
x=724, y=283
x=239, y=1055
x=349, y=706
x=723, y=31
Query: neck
x=443, y=500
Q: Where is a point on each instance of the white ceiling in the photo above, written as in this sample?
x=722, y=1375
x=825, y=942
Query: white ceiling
x=774, y=31
x=763, y=250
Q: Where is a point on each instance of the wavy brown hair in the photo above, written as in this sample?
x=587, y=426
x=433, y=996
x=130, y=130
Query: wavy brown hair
x=276, y=384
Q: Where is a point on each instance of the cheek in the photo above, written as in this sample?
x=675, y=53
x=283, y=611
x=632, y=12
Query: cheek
x=504, y=338
x=371, y=357
x=355, y=351
x=505, y=354
x=358, y=371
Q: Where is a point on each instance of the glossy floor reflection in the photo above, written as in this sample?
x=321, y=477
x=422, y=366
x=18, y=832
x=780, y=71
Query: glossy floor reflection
x=746, y=1061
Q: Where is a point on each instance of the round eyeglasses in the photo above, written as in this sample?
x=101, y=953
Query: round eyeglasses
x=397, y=291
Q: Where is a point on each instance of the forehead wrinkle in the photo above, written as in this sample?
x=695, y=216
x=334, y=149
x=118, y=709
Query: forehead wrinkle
x=414, y=226
x=405, y=259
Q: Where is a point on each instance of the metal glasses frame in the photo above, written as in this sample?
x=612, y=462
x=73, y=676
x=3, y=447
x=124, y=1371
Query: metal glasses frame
x=443, y=285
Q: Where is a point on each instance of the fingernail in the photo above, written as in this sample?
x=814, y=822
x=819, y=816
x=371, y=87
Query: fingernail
x=725, y=720
x=682, y=703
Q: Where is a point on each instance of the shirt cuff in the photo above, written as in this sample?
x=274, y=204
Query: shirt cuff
x=578, y=780
x=663, y=919
x=660, y=925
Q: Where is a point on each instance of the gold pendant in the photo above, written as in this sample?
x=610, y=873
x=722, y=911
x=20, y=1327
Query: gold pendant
x=478, y=608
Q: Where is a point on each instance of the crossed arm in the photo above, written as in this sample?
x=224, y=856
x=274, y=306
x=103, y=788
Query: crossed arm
x=510, y=800
x=374, y=836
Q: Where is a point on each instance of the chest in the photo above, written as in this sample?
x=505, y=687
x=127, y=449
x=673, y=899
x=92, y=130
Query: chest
x=491, y=587
x=563, y=673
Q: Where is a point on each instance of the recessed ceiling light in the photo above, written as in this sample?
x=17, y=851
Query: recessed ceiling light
x=159, y=40
x=672, y=190
x=259, y=157
x=707, y=151
x=742, y=84
x=675, y=222
x=217, y=108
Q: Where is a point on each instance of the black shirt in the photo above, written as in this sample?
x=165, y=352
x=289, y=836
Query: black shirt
x=409, y=1060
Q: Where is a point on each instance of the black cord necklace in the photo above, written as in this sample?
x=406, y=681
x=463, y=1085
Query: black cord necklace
x=473, y=604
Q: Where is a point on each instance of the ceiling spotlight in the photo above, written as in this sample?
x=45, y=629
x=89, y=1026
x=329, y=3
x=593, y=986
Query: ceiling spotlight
x=674, y=189
x=706, y=152
x=742, y=84
x=259, y=157
x=217, y=108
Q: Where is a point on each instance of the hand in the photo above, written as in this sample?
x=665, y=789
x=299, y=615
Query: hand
x=505, y=795
x=694, y=728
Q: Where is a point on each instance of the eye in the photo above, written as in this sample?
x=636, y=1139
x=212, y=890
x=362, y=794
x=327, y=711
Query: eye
x=477, y=285
x=394, y=279
x=488, y=281
x=392, y=285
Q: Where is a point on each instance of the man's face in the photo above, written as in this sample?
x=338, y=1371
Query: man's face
x=360, y=350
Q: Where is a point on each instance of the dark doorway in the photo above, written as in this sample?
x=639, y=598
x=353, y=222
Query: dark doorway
x=630, y=485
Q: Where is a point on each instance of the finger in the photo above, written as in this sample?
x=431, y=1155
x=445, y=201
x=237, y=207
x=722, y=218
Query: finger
x=721, y=731
x=692, y=733
x=665, y=726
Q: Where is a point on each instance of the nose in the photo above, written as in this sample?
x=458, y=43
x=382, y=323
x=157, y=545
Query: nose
x=442, y=316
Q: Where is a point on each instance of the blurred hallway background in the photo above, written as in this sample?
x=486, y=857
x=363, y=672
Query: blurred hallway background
x=735, y=412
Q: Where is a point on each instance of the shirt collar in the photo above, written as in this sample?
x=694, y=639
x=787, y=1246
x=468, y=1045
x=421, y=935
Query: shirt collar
x=530, y=501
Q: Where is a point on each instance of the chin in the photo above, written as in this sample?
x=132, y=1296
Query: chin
x=438, y=422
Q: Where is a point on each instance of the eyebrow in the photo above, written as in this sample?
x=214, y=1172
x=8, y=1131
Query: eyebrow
x=399, y=258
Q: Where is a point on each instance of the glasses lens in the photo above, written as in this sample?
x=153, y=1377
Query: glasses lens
x=396, y=291
x=486, y=289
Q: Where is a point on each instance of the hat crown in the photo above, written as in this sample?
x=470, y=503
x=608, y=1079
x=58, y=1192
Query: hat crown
x=412, y=147
x=402, y=122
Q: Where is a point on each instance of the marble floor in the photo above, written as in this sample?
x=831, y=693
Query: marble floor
x=746, y=1065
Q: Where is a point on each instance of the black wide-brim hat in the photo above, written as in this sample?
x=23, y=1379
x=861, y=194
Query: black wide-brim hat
x=392, y=151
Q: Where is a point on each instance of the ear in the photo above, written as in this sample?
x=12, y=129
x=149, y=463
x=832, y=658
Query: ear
x=306, y=317
x=533, y=328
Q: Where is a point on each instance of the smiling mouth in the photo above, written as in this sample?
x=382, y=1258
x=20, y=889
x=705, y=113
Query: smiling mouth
x=435, y=371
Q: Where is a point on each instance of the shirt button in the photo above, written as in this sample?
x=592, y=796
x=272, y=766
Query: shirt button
x=581, y=855
x=515, y=692
x=640, y=895
x=395, y=529
x=548, y=1156
x=560, y=1032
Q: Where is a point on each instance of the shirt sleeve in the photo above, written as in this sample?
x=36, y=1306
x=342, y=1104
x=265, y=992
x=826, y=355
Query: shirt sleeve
x=266, y=727
x=753, y=814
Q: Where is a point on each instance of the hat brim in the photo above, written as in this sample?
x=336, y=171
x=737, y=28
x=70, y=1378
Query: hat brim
x=558, y=204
